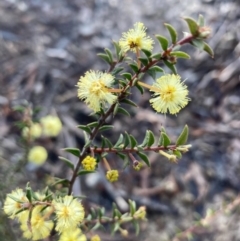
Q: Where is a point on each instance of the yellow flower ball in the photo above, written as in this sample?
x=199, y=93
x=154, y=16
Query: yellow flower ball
x=69, y=213
x=51, y=125
x=94, y=88
x=34, y=131
x=89, y=163
x=95, y=238
x=135, y=39
x=112, y=175
x=37, y=155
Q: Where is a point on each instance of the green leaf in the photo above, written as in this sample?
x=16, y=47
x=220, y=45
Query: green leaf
x=85, y=128
x=117, y=70
x=145, y=140
x=68, y=162
x=208, y=49
x=151, y=138
x=156, y=68
x=74, y=151
x=119, y=141
x=136, y=226
x=177, y=153
x=123, y=111
x=64, y=182
x=132, y=207
x=156, y=56
x=171, y=66
x=108, y=142
x=115, y=109
x=144, y=157
x=133, y=141
x=198, y=43
x=84, y=172
x=140, y=88
x=134, y=67
x=116, y=226
x=180, y=54
x=129, y=102
x=29, y=193
x=192, y=25
x=127, y=76
x=161, y=140
x=117, y=49
x=163, y=41
x=172, y=31
x=201, y=20
x=93, y=124
x=123, y=83
x=103, y=143
x=106, y=127
x=96, y=226
x=105, y=58
x=126, y=140
x=147, y=53
x=144, y=61
x=152, y=71
x=182, y=139
x=126, y=162
x=166, y=139
x=15, y=199
x=123, y=156
x=109, y=54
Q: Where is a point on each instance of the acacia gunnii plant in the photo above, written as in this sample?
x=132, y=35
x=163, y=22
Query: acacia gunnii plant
x=42, y=214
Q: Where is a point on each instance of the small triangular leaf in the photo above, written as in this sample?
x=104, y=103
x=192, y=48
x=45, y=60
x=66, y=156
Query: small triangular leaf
x=182, y=139
x=192, y=25
x=166, y=139
x=74, y=151
x=163, y=41
x=84, y=172
x=172, y=31
x=68, y=162
x=104, y=57
x=180, y=54
x=208, y=49
x=144, y=157
x=171, y=66
x=151, y=138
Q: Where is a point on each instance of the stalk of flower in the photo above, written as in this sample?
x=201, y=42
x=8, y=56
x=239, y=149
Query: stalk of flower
x=170, y=157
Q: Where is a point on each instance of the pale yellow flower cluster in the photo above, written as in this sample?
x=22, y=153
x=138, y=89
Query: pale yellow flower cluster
x=136, y=39
x=37, y=155
x=36, y=217
x=170, y=94
x=49, y=126
x=95, y=238
x=94, y=89
x=17, y=206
